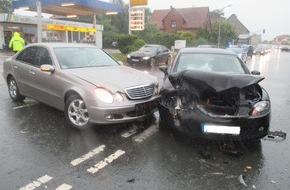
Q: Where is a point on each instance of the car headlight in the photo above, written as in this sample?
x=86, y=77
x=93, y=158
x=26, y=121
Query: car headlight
x=260, y=108
x=146, y=58
x=129, y=56
x=119, y=97
x=156, y=89
x=104, y=95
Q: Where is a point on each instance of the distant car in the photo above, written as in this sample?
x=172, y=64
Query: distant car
x=150, y=55
x=249, y=49
x=83, y=81
x=285, y=49
x=242, y=53
x=260, y=51
x=210, y=93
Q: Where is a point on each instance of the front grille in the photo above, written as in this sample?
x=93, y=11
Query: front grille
x=140, y=92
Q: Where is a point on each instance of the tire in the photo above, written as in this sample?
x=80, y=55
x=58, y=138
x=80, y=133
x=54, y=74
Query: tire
x=166, y=120
x=14, y=90
x=152, y=62
x=76, y=113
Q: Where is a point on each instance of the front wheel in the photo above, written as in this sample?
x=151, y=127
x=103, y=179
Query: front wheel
x=166, y=120
x=152, y=62
x=76, y=113
x=14, y=90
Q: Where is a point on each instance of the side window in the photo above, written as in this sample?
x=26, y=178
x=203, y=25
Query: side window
x=43, y=57
x=28, y=55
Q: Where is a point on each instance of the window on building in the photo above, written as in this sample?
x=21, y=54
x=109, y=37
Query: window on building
x=173, y=24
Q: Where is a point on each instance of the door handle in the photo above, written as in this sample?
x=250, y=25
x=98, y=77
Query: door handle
x=31, y=72
x=15, y=67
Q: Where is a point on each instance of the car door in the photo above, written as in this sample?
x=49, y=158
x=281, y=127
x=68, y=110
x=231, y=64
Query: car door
x=45, y=85
x=21, y=68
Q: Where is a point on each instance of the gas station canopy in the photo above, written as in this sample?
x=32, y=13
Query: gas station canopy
x=70, y=7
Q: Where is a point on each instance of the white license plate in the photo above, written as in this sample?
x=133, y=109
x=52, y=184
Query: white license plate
x=135, y=60
x=220, y=129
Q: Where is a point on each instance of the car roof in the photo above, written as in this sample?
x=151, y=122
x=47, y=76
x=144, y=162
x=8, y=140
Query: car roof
x=155, y=45
x=206, y=50
x=61, y=44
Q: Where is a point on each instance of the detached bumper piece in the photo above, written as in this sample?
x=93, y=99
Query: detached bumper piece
x=276, y=135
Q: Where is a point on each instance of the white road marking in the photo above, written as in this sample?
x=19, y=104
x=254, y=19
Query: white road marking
x=147, y=133
x=130, y=132
x=37, y=183
x=105, y=162
x=64, y=187
x=88, y=155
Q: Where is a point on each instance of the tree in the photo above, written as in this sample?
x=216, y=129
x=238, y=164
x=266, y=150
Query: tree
x=226, y=32
x=6, y=6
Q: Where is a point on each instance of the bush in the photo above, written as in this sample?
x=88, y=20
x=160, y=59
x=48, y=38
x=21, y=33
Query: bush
x=124, y=41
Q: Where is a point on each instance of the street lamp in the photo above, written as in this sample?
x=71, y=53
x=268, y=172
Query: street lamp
x=219, y=37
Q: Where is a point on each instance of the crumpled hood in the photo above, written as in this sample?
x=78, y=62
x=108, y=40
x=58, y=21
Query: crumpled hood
x=114, y=78
x=214, y=81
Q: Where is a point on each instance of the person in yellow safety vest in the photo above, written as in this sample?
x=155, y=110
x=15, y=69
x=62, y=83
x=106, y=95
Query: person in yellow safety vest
x=17, y=42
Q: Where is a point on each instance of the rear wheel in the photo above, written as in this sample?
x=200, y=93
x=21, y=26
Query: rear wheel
x=76, y=113
x=14, y=90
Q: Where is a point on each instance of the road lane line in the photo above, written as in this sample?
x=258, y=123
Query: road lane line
x=105, y=162
x=88, y=155
x=37, y=183
x=147, y=133
x=64, y=187
x=130, y=132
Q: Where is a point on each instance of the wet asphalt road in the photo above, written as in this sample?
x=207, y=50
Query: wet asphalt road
x=38, y=152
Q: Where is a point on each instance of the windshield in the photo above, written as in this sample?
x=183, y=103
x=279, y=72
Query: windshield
x=82, y=57
x=149, y=48
x=209, y=62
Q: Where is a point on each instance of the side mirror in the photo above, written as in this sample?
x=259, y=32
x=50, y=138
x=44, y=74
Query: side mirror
x=164, y=69
x=255, y=72
x=47, y=68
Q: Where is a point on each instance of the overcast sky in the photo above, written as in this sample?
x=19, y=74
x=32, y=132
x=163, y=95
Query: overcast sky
x=256, y=15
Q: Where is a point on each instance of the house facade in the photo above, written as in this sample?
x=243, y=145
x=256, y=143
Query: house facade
x=238, y=25
x=186, y=19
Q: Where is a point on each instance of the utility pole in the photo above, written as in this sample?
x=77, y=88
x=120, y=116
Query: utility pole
x=219, y=37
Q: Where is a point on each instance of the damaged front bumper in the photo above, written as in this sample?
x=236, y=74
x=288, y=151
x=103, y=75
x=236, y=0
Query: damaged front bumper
x=236, y=127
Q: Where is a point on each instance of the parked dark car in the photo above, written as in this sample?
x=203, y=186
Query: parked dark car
x=149, y=54
x=210, y=93
x=83, y=81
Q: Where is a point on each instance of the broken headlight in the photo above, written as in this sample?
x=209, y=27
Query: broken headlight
x=260, y=108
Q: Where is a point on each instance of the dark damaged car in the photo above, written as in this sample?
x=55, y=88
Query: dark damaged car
x=210, y=93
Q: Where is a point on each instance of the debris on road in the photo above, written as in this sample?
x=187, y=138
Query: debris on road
x=241, y=179
x=276, y=135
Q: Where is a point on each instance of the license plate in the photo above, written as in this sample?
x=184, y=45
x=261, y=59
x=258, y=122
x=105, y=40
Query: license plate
x=220, y=129
x=135, y=60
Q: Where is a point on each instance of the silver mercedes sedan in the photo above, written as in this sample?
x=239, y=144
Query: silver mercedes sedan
x=83, y=81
